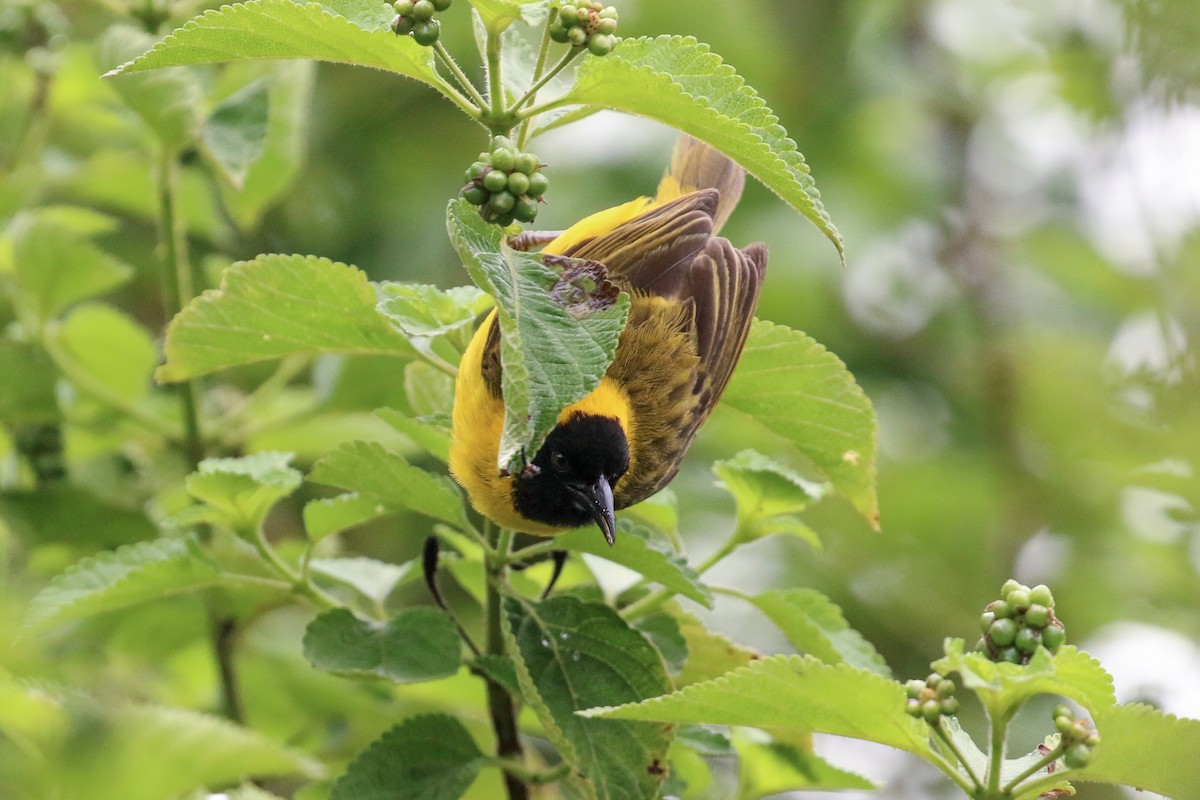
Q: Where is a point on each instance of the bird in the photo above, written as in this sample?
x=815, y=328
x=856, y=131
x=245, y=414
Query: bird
x=693, y=297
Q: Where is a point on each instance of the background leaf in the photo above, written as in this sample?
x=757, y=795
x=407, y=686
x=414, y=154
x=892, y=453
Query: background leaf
x=109, y=348
x=334, y=514
x=168, y=102
x=417, y=644
x=235, y=133
x=767, y=494
x=244, y=489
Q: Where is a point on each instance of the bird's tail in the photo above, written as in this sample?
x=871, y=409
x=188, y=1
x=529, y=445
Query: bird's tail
x=695, y=166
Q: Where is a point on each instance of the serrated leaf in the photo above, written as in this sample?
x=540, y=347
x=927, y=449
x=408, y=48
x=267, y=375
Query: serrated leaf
x=112, y=350
x=277, y=306
x=168, y=102
x=373, y=579
x=636, y=549
x=768, y=767
x=366, y=14
x=417, y=644
x=275, y=29
x=578, y=653
x=1003, y=687
x=664, y=633
x=332, y=515
x=553, y=351
x=767, y=493
x=244, y=489
x=679, y=81
x=709, y=654
x=54, y=267
x=1144, y=748
x=499, y=670
x=234, y=135
x=429, y=757
x=804, y=394
x=792, y=692
x=815, y=625
x=421, y=310
x=127, y=576
x=432, y=433
x=384, y=476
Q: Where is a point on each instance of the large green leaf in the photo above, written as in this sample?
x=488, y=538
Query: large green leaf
x=129, y=575
x=815, y=625
x=679, y=81
x=559, y=329
x=578, y=655
x=374, y=472
x=636, y=549
x=275, y=29
x=430, y=432
x=804, y=394
x=429, y=757
x=792, y=692
x=418, y=644
x=243, y=490
x=1142, y=747
x=276, y=306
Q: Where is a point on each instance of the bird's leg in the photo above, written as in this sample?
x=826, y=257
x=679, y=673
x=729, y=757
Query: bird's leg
x=429, y=563
x=560, y=560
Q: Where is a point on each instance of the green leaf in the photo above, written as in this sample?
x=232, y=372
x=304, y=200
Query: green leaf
x=276, y=306
x=637, y=550
x=52, y=515
x=423, y=311
x=804, y=394
x=429, y=391
x=431, y=433
x=558, y=331
x=767, y=493
x=234, y=135
x=373, y=579
x=283, y=29
x=418, y=644
x=111, y=349
x=376, y=473
x=795, y=693
x=326, y=517
x=27, y=392
x=664, y=633
x=768, y=767
x=500, y=670
x=709, y=654
x=430, y=757
x=55, y=268
x=1144, y=748
x=1003, y=687
x=168, y=102
x=582, y=654
x=679, y=81
x=244, y=489
x=127, y=576
x=497, y=15
x=815, y=625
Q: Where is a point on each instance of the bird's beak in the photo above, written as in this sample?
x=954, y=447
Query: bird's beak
x=600, y=499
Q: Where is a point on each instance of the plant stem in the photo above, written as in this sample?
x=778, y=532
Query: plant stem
x=224, y=637
x=298, y=582
x=949, y=742
x=530, y=776
x=571, y=55
x=543, y=51
x=448, y=61
x=999, y=745
x=500, y=704
x=495, y=77
x=654, y=600
x=1046, y=761
x=940, y=761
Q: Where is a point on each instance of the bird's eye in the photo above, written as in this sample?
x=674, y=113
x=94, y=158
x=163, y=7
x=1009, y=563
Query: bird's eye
x=559, y=461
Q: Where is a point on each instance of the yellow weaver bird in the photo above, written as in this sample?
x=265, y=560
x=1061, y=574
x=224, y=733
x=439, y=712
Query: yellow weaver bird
x=693, y=297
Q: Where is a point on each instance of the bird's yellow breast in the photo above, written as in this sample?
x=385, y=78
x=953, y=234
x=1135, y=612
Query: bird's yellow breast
x=479, y=423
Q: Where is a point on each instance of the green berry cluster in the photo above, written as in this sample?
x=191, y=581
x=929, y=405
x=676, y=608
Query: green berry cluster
x=416, y=17
x=1014, y=628
x=931, y=699
x=583, y=23
x=1077, y=738
x=506, y=184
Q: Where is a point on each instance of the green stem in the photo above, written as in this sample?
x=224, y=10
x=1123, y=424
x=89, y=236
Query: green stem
x=655, y=600
x=1040, y=765
x=549, y=105
x=951, y=771
x=500, y=703
x=495, y=78
x=571, y=55
x=456, y=72
x=999, y=745
x=543, y=51
x=953, y=748
x=531, y=776
x=298, y=583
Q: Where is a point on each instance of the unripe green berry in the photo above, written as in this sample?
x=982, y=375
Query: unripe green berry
x=931, y=710
x=538, y=184
x=504, y=220
x=518, y=183
x=1003, y=632
x=987, y=618
x=1063, y=710
x=914, y=688
x=423, y=9
x=608, y=12
x=525, y=210
x=402, y=26
x=1027, y=640
x=577, y=37
x=913, y=707
x=949, y=706
x=1062, y=723
x=1092, y=739
x=1009, y=655
x=945, y=688
x=501, y=143
x=526, y=163
x=569, y=14
x=441, y=5
x=475, y=195
x=1001, y=609
x=558, y=32
x=933, y=679
x=495, y=181
x=1077, y=756
x=1018, y=599
x=607, y=26
x=600, y=44
x=504, y=158
x=476, y=171
x=1041, y=595
x=1053, y=637
x=1037, y=616
x=501, y=202
x=1010, y=585
x=403, y=7
x=427, y=31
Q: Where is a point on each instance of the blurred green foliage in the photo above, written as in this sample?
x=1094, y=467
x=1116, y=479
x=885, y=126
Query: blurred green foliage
x=1017, y=187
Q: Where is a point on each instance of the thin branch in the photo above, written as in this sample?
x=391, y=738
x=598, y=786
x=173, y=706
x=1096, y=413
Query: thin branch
x=448, y=61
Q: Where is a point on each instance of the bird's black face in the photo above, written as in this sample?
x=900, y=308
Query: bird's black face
x=576, y=471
